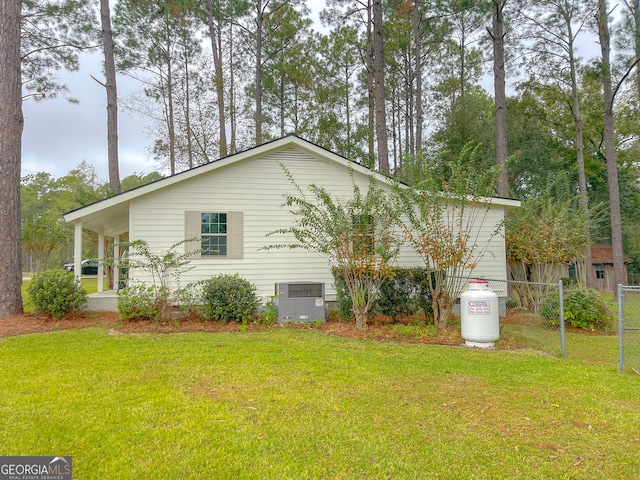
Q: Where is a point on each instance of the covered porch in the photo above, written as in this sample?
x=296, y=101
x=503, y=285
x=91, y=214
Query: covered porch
x=111, y=224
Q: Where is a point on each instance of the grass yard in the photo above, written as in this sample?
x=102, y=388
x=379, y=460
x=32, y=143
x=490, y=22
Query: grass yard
x=297, y=403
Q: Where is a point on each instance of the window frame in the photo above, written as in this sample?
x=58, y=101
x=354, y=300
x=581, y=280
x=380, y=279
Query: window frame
x=364, y=238
x=209, y=251
x=234, y=233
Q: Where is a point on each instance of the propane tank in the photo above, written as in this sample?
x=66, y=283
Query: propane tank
x=480, y=320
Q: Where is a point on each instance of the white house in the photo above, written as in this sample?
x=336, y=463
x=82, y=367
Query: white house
x=243, y=195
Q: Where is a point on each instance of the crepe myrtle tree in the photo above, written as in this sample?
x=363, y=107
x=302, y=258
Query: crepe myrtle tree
x=441, y=215
x=546, y=232
x=355, y=235
x=163, y=266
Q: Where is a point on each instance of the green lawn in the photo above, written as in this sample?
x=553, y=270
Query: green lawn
x=294, y=403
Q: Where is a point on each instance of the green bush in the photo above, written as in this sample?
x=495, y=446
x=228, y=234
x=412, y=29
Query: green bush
x=191, y=301
x=138, y=302
x=269, y=313
x=57, y=293
x=422, y=282
x=583, y=309
x=403, y=293
x=550, y=308
x=345, y=306
x=230, y=297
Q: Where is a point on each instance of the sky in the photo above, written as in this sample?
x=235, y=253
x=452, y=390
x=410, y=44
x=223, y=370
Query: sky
x=59, y=135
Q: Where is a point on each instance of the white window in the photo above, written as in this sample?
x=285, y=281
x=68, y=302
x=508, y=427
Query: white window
x=213, y=231
x=216, y=234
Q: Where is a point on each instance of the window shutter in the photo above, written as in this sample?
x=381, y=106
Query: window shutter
x=234, y=234
x=192, y=230
x=235, y=227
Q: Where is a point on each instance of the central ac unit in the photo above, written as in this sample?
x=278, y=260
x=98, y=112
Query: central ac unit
x=300, y=301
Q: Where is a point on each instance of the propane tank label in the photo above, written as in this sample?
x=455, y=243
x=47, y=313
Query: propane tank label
x=478, y=307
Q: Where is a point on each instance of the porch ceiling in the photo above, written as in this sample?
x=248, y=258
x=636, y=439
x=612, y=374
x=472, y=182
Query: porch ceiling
x=110, y=221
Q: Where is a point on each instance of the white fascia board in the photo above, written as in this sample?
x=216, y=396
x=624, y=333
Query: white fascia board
x=258, y=151
x=125, y=197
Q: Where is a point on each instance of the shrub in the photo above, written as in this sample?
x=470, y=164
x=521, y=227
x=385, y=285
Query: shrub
x=161, y=266
x=229, y=297
x=269, y=313
x=191, y=301
x=138, y=302
x=57, y=293
x=550, y=307
x=403, y=293
x=583, y=309
x=345, y=305
x=396, y=298
x=423, y=280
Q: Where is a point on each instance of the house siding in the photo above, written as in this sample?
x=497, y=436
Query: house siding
x=257, y=187
x=608, y=284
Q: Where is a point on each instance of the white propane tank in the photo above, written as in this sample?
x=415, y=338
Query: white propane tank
x=480, y=320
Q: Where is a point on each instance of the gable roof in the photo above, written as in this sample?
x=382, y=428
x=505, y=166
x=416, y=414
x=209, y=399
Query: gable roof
x=113, y=211
x=602, y=253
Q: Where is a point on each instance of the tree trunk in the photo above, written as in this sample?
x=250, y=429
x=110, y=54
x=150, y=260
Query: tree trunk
x=110, y=86
x=11, y=124
x=258, y=72
x=171, y=125
x=441, y=308
x=582, y=177
x=169, y=100
x=635, y=7
x=361, y=317
x=378, y=76
x=215, y=35
x=499, y=85
x=347, y=107
x=232, y=93
x=187, y=104
x=396, y=125
x=610, y=147
x=417, y=32
x=281, y=94
x=370, y=89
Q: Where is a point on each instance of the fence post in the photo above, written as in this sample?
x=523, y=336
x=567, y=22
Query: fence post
x=563, y=341
x=620, y=329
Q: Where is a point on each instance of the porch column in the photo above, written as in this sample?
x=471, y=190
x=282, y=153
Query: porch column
x=77, y=250
x=116, y=262
x=100, y=261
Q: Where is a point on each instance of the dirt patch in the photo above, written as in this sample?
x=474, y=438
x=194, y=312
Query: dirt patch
x=384, y=331
x=32, y=323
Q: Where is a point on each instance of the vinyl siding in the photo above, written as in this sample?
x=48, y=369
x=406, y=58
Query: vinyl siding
x=257, y=188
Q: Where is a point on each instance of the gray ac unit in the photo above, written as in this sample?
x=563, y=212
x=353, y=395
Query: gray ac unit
x=300, y=301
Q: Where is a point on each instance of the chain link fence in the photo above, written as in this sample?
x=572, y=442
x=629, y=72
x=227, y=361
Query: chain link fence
x=531, y=313
x=629, y=328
